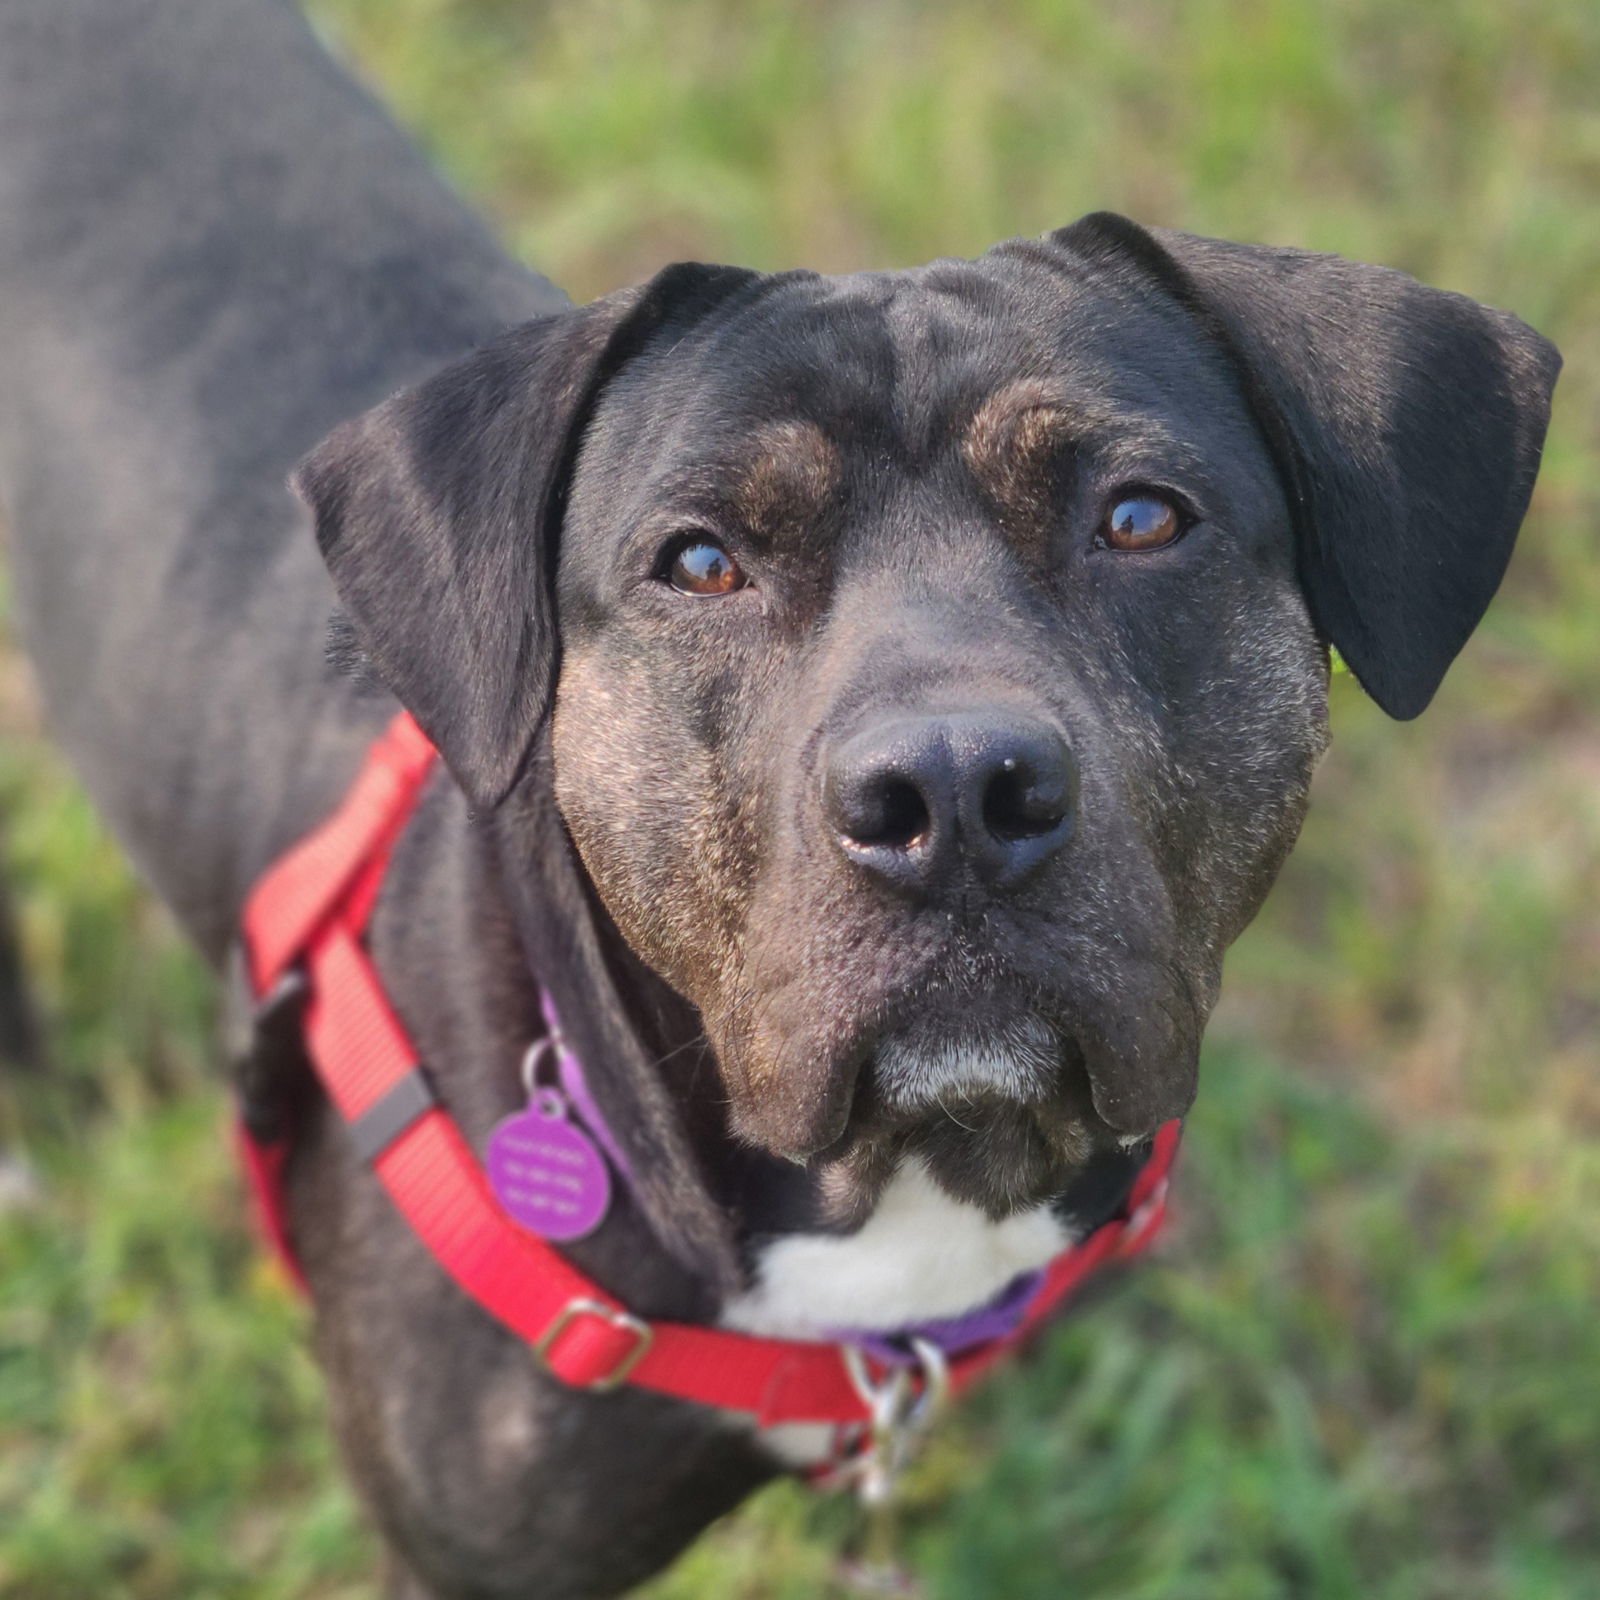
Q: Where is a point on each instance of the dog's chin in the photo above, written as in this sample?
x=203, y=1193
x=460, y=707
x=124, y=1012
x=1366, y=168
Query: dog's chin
x=1003, y=1122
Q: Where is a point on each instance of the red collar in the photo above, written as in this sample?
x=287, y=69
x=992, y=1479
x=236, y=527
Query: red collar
x=308, y=915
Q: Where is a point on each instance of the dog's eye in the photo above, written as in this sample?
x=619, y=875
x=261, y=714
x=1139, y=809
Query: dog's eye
x=1142, y=522
x=701, y=566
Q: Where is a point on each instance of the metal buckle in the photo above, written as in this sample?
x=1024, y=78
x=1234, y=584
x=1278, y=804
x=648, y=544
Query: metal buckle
x=900, y=1411
x=291, y=987
x=643, y=1336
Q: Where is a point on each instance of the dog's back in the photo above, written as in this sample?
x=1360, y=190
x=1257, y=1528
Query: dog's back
x=211, y=249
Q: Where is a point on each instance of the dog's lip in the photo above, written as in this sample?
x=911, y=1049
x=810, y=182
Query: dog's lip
x=1009, y=1054
x=1002, y=1156
x=805, y=1090
x=1019, y=1058
x=1003, y=1141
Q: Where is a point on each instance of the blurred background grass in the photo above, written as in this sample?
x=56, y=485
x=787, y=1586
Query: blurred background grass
x=1366, y=1364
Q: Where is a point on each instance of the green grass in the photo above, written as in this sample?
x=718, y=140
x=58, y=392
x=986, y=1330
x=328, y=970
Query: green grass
x=1366, y=1362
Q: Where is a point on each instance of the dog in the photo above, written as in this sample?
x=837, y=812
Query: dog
x=871, y=705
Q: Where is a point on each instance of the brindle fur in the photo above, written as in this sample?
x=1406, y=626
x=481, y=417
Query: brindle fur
x=212, y=248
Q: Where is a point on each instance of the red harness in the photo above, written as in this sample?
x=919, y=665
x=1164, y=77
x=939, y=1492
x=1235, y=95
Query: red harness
x=307, y=916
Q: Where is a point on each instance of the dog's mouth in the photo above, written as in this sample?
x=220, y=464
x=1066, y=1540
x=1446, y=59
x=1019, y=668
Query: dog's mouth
x=1004, y=1089
x=1001, y=1119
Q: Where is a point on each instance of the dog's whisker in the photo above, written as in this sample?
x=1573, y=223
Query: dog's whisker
x=678, y=1050
x=944, y=1106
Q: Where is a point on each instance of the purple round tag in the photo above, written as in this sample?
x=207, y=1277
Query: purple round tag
x=546, y=1171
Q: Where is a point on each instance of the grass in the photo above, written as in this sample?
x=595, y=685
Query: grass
x=1364, y=1365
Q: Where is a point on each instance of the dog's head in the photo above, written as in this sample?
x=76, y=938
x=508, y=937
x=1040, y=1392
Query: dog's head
x=937, y=661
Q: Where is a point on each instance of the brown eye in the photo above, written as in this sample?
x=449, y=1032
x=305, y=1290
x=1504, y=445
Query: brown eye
x=702, y=566
x=1141, y=522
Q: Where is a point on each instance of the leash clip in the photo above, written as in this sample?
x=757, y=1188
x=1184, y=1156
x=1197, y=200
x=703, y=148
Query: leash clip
x=900, y=1411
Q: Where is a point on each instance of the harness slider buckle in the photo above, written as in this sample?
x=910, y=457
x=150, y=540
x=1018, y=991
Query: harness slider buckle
x=642, y=1333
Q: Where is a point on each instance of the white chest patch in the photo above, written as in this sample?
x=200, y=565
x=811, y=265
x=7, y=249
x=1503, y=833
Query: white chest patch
x=920, y=1256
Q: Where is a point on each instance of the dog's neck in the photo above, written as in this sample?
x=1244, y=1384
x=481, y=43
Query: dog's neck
x=752, y=1227
x=649, y=1065
x=634, y=1036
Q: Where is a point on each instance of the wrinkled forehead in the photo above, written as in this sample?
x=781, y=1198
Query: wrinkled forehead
x=987, y=359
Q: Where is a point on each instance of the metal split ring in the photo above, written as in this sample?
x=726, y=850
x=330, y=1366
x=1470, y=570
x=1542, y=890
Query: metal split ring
x=533, y=1060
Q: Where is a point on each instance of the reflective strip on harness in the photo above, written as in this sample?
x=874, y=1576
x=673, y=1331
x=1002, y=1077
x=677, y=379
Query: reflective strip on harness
x=310, y=911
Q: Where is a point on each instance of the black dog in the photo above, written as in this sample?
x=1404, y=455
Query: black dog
x=873, y=704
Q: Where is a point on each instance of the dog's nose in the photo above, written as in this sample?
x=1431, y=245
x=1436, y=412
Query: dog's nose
x=928, y=802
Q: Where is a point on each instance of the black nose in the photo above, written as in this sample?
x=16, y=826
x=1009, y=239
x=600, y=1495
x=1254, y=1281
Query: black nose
x=931, y=802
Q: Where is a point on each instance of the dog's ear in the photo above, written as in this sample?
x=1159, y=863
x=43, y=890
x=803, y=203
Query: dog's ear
x=438, y=515
x=1405, y=422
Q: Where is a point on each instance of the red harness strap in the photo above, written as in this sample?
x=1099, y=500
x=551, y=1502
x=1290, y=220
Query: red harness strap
x=309, y=914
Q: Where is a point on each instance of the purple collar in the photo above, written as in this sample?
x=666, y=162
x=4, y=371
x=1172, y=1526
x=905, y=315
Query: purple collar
x=953, y=1335
x=569, y=1072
